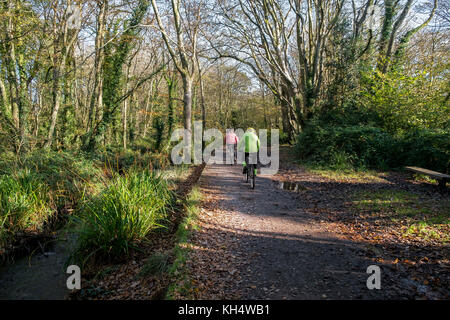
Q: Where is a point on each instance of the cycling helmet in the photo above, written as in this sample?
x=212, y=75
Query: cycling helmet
x=251, y=130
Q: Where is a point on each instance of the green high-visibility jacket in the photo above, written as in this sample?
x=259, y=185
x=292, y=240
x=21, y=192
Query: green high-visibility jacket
x=250, y=142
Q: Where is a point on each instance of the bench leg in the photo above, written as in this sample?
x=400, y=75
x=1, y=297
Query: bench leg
x=442, y=184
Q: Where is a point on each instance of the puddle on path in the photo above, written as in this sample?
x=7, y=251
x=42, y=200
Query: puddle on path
x=290, y=186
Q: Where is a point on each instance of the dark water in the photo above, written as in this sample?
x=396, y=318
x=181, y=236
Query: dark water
x=39, y=276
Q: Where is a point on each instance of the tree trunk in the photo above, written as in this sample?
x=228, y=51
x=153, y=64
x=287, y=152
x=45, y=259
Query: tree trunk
x=125, y=129
x=172, y=88
x=96, y=100
x=202, y=101
x=57, y=94
x=187, y=112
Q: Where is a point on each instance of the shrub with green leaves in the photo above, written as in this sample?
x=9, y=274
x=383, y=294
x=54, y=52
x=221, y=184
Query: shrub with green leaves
x=405, y=101
x=366, y=146
x=428, y=148
x=115, y=221
x=66, y=174
x=120, y=160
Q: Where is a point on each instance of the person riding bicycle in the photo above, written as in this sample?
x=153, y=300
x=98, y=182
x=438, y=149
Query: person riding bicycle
x=249, y=142
x=231, y=140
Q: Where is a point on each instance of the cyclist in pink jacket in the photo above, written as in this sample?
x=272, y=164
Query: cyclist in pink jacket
x=231, y=140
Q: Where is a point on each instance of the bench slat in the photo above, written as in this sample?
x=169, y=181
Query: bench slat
x=431, y=173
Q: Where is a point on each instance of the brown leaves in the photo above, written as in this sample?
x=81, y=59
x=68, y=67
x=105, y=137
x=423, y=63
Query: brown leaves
x=382, y=226
x=214, y=261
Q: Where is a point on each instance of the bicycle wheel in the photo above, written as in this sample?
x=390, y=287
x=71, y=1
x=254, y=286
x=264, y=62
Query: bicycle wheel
x=247, y=174
x=252, y=177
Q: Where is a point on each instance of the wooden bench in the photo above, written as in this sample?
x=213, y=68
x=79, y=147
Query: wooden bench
x=440, y=177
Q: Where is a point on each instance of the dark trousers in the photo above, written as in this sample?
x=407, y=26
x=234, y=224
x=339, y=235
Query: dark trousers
x=253, y=156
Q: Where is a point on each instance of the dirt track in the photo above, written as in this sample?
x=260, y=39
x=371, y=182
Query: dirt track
x=261, y=244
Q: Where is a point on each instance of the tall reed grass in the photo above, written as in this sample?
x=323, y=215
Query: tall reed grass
x=36, y=186
x=115, y=221
x=24, y=204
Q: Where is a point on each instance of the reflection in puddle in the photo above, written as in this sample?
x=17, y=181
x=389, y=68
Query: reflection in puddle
x=290, y=186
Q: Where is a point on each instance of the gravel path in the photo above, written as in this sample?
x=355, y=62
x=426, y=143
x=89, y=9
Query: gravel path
x=261, y=244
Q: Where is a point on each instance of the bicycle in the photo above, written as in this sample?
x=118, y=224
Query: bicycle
x=251, y=175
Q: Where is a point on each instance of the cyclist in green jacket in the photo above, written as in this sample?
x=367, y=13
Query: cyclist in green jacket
x=249, y=142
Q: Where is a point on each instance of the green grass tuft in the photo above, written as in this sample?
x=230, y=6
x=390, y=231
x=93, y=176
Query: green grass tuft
x=155, y=265
x=177, y=269
x=115, y=221
x=24, y=204
x=421, y=218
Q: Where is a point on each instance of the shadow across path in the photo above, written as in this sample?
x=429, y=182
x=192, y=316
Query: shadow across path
x=280, y=250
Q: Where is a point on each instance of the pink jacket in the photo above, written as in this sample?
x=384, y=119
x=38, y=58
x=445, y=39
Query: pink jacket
x=231, y=138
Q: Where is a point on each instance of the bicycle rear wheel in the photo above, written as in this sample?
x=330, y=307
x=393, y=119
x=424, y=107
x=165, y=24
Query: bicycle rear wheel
x=252, y=177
